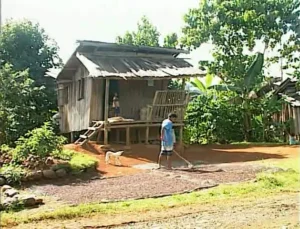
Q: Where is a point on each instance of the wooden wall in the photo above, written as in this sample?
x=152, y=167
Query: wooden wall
x=75, y=114
x=136, y=94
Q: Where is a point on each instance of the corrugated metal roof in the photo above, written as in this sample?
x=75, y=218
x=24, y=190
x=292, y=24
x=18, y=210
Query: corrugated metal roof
x=133, y=67
x=128, y=61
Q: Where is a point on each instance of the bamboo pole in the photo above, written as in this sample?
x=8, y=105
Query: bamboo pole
x=106, y=111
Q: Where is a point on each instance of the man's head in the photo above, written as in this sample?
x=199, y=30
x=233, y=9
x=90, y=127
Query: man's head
x=172, y=117
x=116, y=94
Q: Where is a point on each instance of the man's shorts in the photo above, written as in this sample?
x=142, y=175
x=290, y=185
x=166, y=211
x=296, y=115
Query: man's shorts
x=117, y=110
x=166, y=150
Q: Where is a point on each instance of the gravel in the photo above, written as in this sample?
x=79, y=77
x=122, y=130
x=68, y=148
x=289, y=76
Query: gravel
x=154, y=183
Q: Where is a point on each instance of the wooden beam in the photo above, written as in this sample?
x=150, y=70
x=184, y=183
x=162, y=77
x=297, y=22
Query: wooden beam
x=147, y=135
x=181, y=139
x=127, y=136
x=72, y=137
x=106, y=108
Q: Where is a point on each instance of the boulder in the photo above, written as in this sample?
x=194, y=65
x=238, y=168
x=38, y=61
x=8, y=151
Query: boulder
x=49, y=174
x=35, y=175
x=11, y=192
x=28, y=201
x=8, y=202
x=5, y=187
x=2, y=181
x=61, y=173
x=39, y=201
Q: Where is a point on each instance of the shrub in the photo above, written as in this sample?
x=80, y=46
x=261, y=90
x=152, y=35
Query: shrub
x=5, y=149
x=13, y=173
x=212, y=118
x=40, y=142
x=63, y=154
x=80, y=162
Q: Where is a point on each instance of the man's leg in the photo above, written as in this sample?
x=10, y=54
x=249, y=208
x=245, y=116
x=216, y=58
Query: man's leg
x=169, y=159
x=159, y=161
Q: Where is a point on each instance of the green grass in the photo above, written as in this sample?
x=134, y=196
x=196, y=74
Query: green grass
x=266, y=184
x=80, y=162
x=77, y=161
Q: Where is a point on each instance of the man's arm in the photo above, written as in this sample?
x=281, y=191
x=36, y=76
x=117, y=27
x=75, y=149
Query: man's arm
x=162, y=133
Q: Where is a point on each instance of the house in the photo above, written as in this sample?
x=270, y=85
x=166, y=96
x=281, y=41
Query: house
x=138, y=74
x=288, y=91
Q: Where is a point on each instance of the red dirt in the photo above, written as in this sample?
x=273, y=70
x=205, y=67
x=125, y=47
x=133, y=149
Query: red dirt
x=141, y=154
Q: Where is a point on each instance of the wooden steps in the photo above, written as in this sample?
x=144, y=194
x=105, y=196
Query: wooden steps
x=92, y=130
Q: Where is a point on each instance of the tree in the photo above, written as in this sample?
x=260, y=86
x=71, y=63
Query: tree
x=146, y=34
x=203, y=87
x=171, y=41
x=20, y=104
x=26, y=46
x=234, y=28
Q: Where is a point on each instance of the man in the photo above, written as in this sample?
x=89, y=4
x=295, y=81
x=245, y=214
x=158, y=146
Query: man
x=116, y=105
x=167, y=139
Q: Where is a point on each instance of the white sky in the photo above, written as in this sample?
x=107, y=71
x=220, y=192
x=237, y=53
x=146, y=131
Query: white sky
x=69, y=20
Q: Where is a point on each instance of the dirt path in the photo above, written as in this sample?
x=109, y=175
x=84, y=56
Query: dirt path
x=270, y=212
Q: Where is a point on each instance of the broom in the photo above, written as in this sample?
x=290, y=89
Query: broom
x=190, y=165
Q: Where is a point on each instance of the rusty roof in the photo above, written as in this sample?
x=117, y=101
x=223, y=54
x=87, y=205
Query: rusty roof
x=128, y=61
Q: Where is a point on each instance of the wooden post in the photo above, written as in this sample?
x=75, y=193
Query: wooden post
x=181, y=139
x=72, y=137
x=147, y=136
x=138, y=131
x=127, y=136
x=99, y=135
x=106, y=111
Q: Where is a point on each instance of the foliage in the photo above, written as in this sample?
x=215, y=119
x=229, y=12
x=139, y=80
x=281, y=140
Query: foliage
x=21, y=104
x=27, y=98
x=203, y=87
x=212, y=118
x=5, y=149
x=39, y=142
x=171, y=41
x=146, y=34
x=80, y=162
x=26, y=45
x=13, y=173
x=235, y=28
x=266, y=185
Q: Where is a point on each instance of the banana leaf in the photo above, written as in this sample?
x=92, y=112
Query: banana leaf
x=254, y=70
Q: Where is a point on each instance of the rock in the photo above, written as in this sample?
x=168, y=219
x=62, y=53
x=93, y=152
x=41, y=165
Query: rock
x=5, y=187
x=28, y=201
x=36, y=175
x=61, y=173
x=2, y=181
x=274, y=170
x=11, y=192
x=39, y=201
x=50, y=174
x=8, y=202
x=91, y=170
x=49, y=161
x=63, y=165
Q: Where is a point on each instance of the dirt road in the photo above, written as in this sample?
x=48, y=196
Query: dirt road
x=264, y=213
x=280, y=212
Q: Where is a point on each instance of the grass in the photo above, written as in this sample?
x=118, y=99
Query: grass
x=77, y=161
x=266, y=184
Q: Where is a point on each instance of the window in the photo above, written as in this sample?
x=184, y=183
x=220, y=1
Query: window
x=151, y=83
x=63, y=95
x=80, y=89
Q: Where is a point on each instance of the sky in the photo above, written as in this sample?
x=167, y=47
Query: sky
x=69, y=20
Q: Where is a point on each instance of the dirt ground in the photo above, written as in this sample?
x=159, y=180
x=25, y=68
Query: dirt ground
x=270, y=212
x=142, y=154
x=153, y=183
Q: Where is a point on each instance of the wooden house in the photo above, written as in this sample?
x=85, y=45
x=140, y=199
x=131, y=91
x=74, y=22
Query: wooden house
x=290, y=93
x=138, y=74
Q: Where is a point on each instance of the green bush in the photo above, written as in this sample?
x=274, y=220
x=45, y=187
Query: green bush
x=13, y=173
x=211, y=118
x=39, y=142
x=80, y=162
x=5, y=149
x=63, y=154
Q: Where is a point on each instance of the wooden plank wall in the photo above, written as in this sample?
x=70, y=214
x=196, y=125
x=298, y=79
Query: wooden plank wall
x=97, y=100
x=136, y=94
x=75, y=115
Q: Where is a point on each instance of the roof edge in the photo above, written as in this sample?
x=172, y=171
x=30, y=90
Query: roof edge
x=136, y=48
